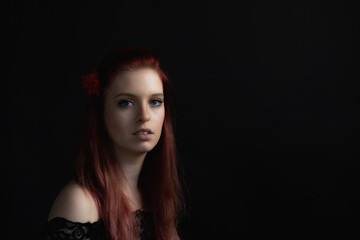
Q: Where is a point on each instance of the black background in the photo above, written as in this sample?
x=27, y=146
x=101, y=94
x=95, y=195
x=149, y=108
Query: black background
x=266, y=115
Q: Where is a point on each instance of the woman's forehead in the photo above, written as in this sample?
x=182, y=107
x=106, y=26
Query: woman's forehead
x=137, y=82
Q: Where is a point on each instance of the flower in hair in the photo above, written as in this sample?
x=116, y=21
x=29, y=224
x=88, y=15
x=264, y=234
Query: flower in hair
x=91, y=83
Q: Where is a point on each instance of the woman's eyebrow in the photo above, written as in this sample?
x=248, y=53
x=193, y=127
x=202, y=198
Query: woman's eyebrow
x=125, y=95
x=157, y=95
x=134, y=96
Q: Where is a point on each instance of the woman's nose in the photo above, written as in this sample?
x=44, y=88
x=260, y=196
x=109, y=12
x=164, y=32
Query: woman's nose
x=144, y=115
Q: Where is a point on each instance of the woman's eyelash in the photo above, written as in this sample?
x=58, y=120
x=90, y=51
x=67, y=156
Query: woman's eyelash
x=124, y=103
x=156, y=102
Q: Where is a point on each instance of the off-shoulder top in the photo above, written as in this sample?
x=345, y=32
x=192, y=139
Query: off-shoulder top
x=60, y=228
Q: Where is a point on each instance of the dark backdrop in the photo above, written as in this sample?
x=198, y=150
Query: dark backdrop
x=266, y=121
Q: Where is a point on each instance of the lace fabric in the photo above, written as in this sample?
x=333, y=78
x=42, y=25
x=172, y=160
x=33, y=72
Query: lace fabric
x=61, y=228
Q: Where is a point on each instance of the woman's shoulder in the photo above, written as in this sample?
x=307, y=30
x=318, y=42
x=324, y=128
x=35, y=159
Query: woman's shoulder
x=74, y=203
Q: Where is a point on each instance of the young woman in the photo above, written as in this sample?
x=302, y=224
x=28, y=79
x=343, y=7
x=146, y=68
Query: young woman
x=126, y=183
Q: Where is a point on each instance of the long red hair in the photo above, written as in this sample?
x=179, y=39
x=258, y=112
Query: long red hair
x=96, y=166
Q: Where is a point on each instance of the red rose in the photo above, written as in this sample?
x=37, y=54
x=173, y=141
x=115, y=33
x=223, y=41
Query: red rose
x=91, y=83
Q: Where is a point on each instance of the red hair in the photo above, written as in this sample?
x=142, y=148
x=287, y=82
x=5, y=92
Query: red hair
x=96, y=166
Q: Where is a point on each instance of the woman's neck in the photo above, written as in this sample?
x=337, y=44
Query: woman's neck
x=131, y=165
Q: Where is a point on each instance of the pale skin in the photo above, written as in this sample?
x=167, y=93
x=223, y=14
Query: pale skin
x=134, y=114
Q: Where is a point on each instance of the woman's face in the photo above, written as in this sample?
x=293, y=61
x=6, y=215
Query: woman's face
x=134, y=111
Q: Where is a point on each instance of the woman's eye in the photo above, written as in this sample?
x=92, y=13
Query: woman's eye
x=156, y=102
x=125, y=103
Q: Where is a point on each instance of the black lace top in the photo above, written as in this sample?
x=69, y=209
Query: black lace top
x=61, y=228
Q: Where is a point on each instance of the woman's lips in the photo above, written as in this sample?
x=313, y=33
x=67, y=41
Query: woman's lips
x=143, y=134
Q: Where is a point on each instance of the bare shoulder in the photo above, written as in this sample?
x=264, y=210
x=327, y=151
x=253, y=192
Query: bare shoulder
x=75, y=204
